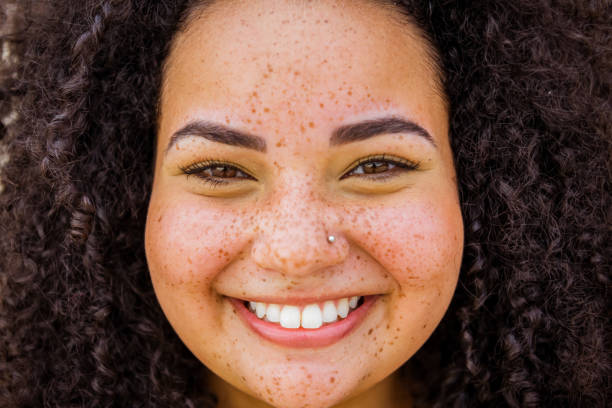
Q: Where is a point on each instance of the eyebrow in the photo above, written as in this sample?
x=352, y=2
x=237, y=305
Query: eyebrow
x=370, y=128
x=343, y=135
x=220, y=134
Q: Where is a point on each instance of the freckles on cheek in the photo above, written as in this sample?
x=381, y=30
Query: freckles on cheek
x=188, y=246
x=420, y=242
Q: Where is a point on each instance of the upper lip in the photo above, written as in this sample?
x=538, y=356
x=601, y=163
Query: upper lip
x=304, y=300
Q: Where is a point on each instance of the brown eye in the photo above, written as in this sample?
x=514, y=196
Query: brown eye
x=376, y=167
x=216, y=173
x=380, y=167
x=222, y=171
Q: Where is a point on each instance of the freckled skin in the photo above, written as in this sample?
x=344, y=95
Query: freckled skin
x=292, y=72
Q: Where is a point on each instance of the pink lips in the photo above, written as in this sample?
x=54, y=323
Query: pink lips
x=321, y=337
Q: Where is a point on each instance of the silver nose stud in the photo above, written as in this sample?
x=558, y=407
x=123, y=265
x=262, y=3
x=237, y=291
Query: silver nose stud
x=331, y=239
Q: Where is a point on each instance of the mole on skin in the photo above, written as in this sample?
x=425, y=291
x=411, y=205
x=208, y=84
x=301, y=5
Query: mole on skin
x=259, y=229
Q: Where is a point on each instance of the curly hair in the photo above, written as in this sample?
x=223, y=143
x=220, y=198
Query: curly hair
x=529, y=85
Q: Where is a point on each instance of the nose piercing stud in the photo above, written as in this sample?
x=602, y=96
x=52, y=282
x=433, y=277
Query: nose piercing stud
x=331, y=239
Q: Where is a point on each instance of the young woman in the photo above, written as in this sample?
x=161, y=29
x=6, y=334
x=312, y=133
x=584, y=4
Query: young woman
x=273, y=203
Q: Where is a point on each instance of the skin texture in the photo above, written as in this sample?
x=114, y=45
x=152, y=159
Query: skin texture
x=264, y=237
x=528, y=327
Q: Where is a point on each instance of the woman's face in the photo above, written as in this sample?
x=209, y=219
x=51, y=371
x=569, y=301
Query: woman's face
x=282, y=123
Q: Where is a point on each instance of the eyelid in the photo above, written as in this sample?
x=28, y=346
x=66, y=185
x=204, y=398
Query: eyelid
x=203, y=164
x=380, y=157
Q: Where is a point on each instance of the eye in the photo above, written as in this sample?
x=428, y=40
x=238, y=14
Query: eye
x=380, y=167
x=216, y=173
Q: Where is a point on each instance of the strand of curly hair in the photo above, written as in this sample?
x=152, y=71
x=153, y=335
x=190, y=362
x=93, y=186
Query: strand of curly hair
x=529, y=84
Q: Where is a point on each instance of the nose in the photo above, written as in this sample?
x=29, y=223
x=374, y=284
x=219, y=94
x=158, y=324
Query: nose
x=294, y=237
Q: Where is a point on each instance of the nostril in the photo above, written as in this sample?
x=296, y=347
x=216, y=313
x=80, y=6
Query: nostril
x=298, y=255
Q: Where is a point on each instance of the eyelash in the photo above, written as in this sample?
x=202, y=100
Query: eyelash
x=199, y=168
x=405, y=164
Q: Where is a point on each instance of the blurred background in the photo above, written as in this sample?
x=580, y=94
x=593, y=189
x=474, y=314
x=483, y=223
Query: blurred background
x=7, y=116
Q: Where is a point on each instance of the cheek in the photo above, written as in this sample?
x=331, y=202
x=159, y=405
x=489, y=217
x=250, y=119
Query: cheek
x=417, y=243
x=187, y=245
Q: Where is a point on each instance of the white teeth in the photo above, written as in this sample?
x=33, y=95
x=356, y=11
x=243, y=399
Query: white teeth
x=330, y=314
x=260, y=309
x=343, y=307
x=273, y=313
x=311, y=317
x=290, y=317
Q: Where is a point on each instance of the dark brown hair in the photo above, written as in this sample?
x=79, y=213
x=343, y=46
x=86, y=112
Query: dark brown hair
x=528, y=83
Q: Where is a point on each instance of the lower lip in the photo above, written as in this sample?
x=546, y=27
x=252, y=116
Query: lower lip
x=321, y=337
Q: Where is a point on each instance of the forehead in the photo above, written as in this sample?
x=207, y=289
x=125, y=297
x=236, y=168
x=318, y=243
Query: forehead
x=298, y=56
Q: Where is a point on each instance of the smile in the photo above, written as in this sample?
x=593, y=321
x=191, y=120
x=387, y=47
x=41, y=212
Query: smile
x=311, y=316
x=311, y=325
